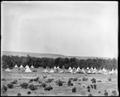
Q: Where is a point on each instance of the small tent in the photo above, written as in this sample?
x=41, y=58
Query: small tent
x=16, y=66
x=8, y=70
x=83, y=71
x=111, y=72
x=87, y=67
x=45, y=70
x=69, y=68
x=55, y=67
x=116, y=71
x=27, y=69
x=78, y=69
x=32, y=66
x=51, y=71
x=21, y=66
x=89, y=71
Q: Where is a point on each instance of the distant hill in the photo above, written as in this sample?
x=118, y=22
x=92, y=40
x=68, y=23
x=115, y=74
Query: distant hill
x=32, y=54
x=44, y=55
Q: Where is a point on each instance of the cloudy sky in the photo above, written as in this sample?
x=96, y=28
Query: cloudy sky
x=70, y=28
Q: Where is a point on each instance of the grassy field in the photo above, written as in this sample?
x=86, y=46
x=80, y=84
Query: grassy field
x=102, y=84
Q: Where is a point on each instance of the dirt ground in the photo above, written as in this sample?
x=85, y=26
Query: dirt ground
x=102, y=83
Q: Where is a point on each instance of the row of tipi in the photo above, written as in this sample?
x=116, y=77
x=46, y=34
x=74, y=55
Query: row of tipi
x=27, y=68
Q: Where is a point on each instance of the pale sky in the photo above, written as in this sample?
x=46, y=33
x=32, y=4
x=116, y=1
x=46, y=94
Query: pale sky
x=78, y=28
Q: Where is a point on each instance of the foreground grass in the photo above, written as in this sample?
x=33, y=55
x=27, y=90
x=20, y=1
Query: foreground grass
x=40, y=84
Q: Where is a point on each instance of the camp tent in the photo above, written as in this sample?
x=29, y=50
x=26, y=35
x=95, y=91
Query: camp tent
x=83, y=71
x=51, y=71
x=32, y=66
x=111, y=72
x=55, y=67
x=8, y=70
x=45, y=71
x=105, y=71
x=78, y=69
x=87, y=67
x=21, y=66
x=16, y=66
x=89, y=71
x=69, y=68
x=116, y=71
x=94, y=70
x=27, y=69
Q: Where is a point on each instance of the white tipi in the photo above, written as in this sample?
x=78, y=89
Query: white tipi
x=116, y=71
x=78, y=69
x=87, y=68
x=8, y=70
x=21, y=66
x=27, y=69
x=45, y=71
x=51, y=71
x=55, y=67
x=32, y=66
x=16, y=66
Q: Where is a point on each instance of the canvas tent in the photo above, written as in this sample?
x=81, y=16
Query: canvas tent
x=16, y=66
x=27, y=69
x=45, y=71
x=32, y=66
x=87, y=67
x=21, y=66
x=8, y=70
x=78, y=69
x=116, y=71
x=111, y=72
x=83, y=71
x=55, y=67
x=51, y=71
x=70, y=70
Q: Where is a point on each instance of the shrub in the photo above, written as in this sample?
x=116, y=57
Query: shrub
x=59, y=82
x=90, y=95
x=32, y=87
x=43, y=84
x=99, y=91
x=99, y=81
x=31, y=80
x=14, y=82
x=34, y=70
x=79, y=83
x=3, y=79
x=19, y=94
x=36, y=79
x=114, y=93
x=109, y=79
x=49, y=80
x=28, y=92
x=44, y=76
x=10, y=86
x=93, y=80
x=48, y=88
x=75, y=79
x=95, y=86
x=91, y=86
x=4, y=89
x=74, y=89
x=70, y=83
x=105, y=93
x=24, y=85
x=85, y=79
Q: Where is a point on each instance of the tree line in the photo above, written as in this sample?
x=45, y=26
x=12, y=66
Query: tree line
x=99, y=63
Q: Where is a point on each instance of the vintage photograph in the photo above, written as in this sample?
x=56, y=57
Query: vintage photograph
x=59, y=48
